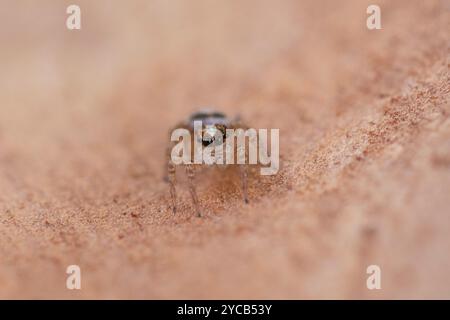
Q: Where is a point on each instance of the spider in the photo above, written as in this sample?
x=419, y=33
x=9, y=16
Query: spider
x=213, y=122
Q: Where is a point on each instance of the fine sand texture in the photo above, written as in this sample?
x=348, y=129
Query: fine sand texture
x=364, y=120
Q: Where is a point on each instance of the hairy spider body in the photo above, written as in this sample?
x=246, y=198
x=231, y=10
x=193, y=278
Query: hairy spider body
x=213, y=124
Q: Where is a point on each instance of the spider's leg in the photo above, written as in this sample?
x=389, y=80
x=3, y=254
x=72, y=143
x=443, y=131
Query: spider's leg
x=171, y=177
x=171, y=174
x=244, y=179
x=243, y=171
x=171, y=170
x=243, y=168
x=190, y=172
x=168, y=155
x=168, y=162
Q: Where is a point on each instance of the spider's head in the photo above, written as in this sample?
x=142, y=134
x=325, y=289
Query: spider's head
x=214, y=126
x=213, y=135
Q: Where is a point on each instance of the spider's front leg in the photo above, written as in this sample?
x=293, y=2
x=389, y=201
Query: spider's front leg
x=243, y=168
x=244, y=179
x=171, y=176
x=171, y=170
x=243, y=171
x=190, y=172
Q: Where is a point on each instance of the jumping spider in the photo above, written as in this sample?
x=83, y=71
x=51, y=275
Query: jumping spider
x=213, y=123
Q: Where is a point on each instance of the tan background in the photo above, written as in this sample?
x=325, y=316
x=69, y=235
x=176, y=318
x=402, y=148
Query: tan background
x=365, y=146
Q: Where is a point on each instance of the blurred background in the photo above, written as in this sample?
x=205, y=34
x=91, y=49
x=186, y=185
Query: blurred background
x=364, y=133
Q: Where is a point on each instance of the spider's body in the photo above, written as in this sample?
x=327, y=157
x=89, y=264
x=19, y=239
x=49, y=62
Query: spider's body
x=213, y=131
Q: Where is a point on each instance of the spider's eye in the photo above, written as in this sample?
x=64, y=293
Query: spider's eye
x=206, y=142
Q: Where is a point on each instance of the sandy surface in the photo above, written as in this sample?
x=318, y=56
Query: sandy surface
x=365, y=149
